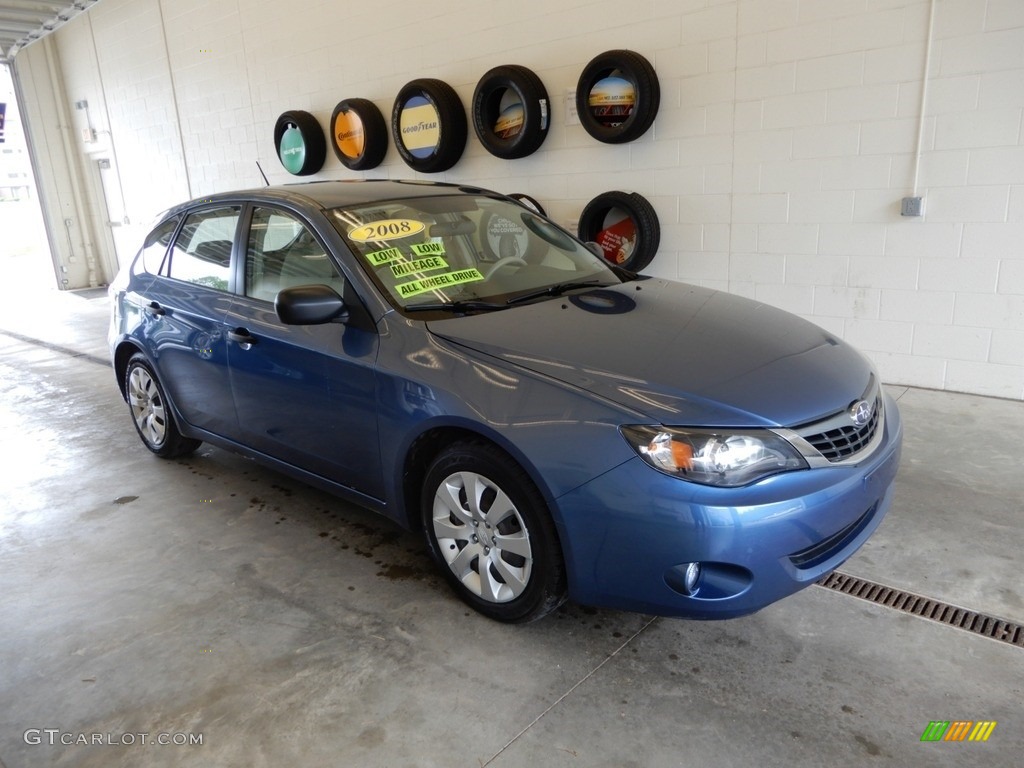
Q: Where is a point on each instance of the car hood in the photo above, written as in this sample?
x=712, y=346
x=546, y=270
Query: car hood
x=679, y=354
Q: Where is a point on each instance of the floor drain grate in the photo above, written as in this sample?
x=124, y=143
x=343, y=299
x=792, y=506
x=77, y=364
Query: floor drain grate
x=926, y=607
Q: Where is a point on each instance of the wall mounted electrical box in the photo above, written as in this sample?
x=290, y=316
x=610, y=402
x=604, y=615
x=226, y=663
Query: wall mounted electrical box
x=912, y=206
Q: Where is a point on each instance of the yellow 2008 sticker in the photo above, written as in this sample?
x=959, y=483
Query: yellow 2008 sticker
x=425, y=284
x=386, y=229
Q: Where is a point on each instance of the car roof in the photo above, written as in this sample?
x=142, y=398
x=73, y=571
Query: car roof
x=335, y=194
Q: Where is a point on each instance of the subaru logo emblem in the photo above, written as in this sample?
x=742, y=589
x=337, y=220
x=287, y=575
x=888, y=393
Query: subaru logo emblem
x=860, y=413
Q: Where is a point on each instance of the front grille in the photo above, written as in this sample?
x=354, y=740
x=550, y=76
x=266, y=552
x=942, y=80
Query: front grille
x=844, y=441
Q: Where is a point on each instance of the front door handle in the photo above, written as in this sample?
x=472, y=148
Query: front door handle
x=242, y=337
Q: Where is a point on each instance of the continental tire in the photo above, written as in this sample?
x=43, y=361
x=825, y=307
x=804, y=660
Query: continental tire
x=300, y=144
x=510, y=112
x=528, y=202
x=626, y=227
x=617, y=96
x=428, y=124
x=359, y=135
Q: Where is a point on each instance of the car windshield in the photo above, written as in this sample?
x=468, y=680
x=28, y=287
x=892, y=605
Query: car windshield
x=465, y=252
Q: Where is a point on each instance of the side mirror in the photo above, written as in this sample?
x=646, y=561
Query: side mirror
x=310, y=305
x=595, y=248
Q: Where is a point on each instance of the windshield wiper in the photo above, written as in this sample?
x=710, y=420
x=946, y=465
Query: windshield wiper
x=555, y=290
x=454, y=306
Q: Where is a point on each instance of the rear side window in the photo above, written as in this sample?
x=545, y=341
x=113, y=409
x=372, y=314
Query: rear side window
x=154, y=250
x=202, y=250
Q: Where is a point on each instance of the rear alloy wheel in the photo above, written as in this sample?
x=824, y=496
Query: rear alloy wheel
x=489, y=530
x=151, y=413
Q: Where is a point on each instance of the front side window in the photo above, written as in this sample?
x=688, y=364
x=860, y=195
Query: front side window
x=283, y=253
x=459, y=249
x=202, y=250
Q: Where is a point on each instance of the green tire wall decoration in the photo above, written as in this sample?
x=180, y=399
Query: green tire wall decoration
x=626, y=227
x=300, y=144
x=510, y=112
x=428, y=125
x=359, y=135
x=617, y=96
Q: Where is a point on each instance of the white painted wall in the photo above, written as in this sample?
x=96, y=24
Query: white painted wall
x=785, y=141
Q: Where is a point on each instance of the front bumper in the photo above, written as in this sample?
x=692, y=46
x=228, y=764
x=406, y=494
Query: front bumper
x=625, y=533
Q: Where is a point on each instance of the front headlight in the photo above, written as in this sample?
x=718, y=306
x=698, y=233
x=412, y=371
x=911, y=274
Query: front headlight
x=724, y=458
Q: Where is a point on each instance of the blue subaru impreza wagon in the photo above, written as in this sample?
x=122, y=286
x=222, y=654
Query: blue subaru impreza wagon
x=557, y=427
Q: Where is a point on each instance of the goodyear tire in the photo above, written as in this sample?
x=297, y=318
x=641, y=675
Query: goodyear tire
x=617, y=96
x=528, y=202
x=626, y=227
x=510, y=112
x=428, y=124
x=300, y=143
x=359, y=135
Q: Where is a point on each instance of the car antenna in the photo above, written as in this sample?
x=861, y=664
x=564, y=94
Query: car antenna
x=262, y=173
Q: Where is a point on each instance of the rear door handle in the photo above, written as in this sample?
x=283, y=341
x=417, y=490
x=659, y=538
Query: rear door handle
x=242, y=337
x=155, y=309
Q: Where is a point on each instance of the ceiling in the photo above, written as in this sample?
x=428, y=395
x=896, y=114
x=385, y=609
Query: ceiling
x=22, y=21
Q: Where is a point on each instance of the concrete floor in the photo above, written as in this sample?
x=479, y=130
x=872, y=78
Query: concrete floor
x=212, y=598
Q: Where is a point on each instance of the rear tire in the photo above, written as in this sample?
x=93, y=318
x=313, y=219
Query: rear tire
x=151, y=413
x=489, y=530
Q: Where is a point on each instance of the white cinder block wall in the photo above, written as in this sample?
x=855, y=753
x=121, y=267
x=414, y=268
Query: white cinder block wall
x=785, y=141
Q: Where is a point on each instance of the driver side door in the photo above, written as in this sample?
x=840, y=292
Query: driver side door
x=304, y=394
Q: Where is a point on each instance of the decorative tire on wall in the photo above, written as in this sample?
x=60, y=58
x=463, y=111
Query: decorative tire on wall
x=300, y=144
x=626, y=227
x=428, y=124
x=359, y=135
x=510, y=111
x=617, y=96
x=528, y=202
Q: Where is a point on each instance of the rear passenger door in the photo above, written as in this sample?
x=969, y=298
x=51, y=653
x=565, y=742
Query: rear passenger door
x=304, y=394
x=189, y=300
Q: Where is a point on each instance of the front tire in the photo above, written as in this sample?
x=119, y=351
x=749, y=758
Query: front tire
x=151, y=413
x=488, y=528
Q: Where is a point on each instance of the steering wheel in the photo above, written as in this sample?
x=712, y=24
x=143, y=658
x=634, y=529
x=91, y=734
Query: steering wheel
x=504, y=262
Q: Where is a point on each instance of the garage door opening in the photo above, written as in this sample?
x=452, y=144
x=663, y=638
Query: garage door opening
x=25, y=258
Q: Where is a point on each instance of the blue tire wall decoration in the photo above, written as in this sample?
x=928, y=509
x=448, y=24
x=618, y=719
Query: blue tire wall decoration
x=428, y=125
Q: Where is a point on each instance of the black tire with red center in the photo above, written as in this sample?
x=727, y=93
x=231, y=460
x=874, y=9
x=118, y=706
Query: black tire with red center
x=626, y=227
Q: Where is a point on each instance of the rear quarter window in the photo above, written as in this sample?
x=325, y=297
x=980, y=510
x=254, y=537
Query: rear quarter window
x=154, y=249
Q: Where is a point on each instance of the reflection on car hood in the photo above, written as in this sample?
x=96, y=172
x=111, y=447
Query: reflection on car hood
x=680, y=354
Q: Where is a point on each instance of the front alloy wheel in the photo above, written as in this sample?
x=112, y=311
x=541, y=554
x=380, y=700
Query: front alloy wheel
x=482, y=537
x=488, y=528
